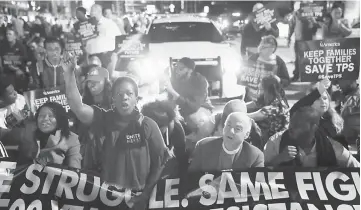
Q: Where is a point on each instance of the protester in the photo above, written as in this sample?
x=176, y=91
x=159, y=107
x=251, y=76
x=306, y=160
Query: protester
x=38, y=28
x=331, y=124
x=97, y=92
x=48, y=138
x=189, y=90
x=251, y=36
x=33, y=57
x=272, y=115
x=13, y=60
x=81, y=14
x=349, y=108
x=11, y=103
x=303, y=145
x=338, y=26
x=133, y=147
x=236, y=105
x=267, y=63
x=304, y=30
x=57, y=28
x=120, y=23
x=127, y=25
x=104, y=44
x=168, y=120
x=18, y=26
x=50, y=70
x=3, y=26
x=230, y=151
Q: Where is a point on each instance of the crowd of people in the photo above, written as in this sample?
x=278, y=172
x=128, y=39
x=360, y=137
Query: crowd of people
x=131, y=144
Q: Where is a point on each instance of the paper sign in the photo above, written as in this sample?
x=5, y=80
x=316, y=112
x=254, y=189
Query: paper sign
x=74, y=46
x=131, y=46
x=334, y=58
x=312, y=10
x=263, y=16
x=87, y=29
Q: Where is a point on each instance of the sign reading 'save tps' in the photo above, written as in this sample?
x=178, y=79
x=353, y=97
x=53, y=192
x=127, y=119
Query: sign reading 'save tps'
x=53, y=188
x=87, y=29
x=74, y=46
x=314, y=9
x=336, y=59
x=36, y=98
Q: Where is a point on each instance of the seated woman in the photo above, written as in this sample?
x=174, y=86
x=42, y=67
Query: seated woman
x=331, y=123
x=48, y=138
x=134, y=153
x=272, y=115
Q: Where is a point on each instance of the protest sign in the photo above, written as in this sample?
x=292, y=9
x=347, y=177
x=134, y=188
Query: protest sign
x=12, y=59
x=252, y=74
x=17, y=117
x=131, y=46
x=36, y=98
x=336, y=58
x=74, y=45
x=264, y=15
x=87, y=29
x=312, y=10
x=55, y=187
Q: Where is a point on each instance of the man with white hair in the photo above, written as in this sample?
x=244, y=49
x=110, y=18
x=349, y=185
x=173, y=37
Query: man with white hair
x=230, y=151
x=103, y=45
x=252, y=36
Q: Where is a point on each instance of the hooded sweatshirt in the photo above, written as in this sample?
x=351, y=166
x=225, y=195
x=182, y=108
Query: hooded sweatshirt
x=51, y=76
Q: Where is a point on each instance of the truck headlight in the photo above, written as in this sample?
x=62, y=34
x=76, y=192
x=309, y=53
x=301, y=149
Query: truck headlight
x=149, y=69
x=231, y=64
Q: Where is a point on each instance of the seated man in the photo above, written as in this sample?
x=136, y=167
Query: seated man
x=189, y=90
x=303, y=145
x=230, y=151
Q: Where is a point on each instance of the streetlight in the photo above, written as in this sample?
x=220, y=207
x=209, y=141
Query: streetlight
x=171, y=7
x=206, y=9
x=236, y=14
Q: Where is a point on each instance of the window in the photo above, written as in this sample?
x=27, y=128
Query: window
x=184, y=32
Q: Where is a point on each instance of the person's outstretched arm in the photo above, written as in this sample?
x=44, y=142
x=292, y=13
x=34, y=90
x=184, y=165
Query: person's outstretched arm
x=82, y=111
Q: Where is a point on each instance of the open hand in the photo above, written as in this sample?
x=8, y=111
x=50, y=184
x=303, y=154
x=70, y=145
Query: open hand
x=323, y=85
x=268, y=26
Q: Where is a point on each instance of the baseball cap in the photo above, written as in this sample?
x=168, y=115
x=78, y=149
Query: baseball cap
x=97, y=74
